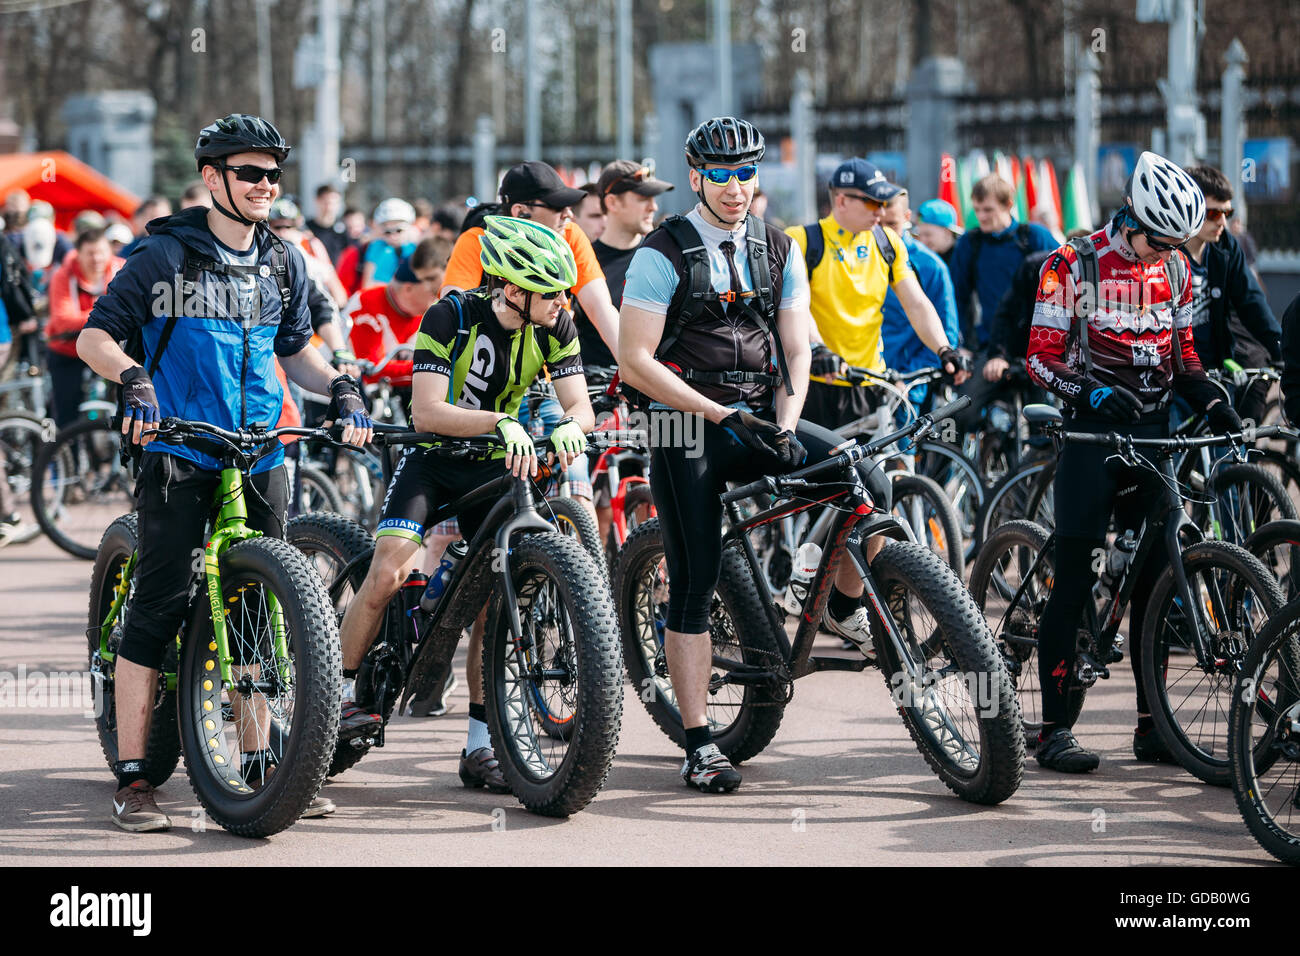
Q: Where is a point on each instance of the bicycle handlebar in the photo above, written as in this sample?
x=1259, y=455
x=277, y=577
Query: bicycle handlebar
x=850, y=454
x=174, y=431
x=1175, y=442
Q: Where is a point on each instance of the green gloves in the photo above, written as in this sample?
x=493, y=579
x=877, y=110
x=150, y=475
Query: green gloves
x=568, y=437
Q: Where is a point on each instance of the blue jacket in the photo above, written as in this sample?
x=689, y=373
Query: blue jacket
x=904, y=351
x=219, y=364
x=996, y=256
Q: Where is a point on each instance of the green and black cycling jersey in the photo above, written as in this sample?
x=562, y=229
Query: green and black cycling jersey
x=488, y=366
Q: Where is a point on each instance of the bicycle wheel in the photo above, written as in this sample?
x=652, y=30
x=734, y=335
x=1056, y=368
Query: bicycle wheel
x=1277, y=545
x=1247, y=497
x=1264, y=737
x=565, y=670
x=163, y=747
x=743, y=718
x=279, y=710
x=331, y=543
x=954, y=692
x=1006, y=561
x=319, y=493
x=961, y=482
x=1234, y=596
x=921, y=503
x=21, y=438
x=1021, y=495
x=83, y=486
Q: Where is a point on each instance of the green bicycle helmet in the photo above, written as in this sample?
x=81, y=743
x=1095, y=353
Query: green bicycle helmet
x=526, y=254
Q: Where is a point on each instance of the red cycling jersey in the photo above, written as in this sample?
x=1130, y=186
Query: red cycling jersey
x=378, y=327
x=1133, y=322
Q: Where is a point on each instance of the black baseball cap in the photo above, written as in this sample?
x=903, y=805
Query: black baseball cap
x=535, y=181
x=625, y=176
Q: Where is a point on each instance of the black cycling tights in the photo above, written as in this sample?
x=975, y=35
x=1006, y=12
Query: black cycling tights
x=1087, y=488
x=686, y=483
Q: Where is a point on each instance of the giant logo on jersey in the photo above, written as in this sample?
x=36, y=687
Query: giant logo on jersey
x=480, y=368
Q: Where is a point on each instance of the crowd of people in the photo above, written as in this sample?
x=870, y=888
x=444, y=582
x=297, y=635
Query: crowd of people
x=715, y=312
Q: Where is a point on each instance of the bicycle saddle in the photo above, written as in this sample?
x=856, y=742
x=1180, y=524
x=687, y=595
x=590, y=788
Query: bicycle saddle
x=1043, y=415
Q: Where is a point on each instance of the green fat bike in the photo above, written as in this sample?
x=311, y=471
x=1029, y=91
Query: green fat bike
x=249, y=690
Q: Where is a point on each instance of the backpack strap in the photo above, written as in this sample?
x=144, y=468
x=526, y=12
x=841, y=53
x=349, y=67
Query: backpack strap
x=462, y=337
x=814, y=247
x=886, y=249
x=699, y=279
x=280, y=265
x=1177, y=279
x=1089, y=278
x=760, y=277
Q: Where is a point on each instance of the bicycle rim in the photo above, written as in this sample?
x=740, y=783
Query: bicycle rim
x=1270, y=728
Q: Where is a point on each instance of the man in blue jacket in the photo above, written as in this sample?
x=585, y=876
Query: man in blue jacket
x=1223, y=286
x=904, y=351
x=985, y=260
x=215, y=299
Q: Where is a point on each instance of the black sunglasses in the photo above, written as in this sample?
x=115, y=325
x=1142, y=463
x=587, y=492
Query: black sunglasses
x=1162, y=246
x=249, y=173
x=548, y=296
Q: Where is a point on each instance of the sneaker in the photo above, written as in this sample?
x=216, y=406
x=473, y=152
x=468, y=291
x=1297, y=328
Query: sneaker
x=1060, y=751
x=1150, y=747
x=355, y=722
x=320, y=805
x=855, y=629
x=136, y=810
x=482, y=769
x=9, y=528
x=709, y=771
x=435, y=704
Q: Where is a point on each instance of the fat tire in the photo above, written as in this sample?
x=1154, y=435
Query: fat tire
x=597, y=717
x=761, y=710
x=916, y=569
x=163, y=748
x=318, y=675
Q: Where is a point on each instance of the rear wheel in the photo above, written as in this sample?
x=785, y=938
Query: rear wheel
x=1277, y=545
x=743, y=718
x=317, y=492
x=163, y=748
x=83, y=486
x=1246, y=498
x=1233, y=596
x=564, y=673
x=1025, y=495
x=1006, y=562
x=1264, y=737
x=21, y=438
x=575, y=521
x=921, y=503
x=954, y=692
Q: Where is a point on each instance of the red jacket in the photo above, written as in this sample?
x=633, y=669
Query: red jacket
x=378, y=327
x=70, y=303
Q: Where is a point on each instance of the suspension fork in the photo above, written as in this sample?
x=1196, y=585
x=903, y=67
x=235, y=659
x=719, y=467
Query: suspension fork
x=1176, y=523
x=525, y=518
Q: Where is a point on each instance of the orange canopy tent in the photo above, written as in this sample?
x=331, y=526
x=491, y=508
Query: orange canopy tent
x=66, y=183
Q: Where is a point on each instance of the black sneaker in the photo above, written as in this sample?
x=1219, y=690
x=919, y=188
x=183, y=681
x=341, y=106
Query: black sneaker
x=1060, y=751
x=258, y=773
x=1150, y=747
x=355, y=722
x=482, y=769
x=709, y=771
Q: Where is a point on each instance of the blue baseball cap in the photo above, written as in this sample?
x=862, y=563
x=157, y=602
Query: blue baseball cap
x=859, y=174
x=937, y=212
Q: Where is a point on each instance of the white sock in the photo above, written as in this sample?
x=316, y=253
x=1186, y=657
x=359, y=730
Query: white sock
x=478, y=736
x=349, y=688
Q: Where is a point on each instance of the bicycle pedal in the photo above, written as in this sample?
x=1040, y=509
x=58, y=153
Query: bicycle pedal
x=1103, y=672
x=1115, y=656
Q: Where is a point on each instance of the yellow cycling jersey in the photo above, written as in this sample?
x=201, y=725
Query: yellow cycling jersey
x=848, y=290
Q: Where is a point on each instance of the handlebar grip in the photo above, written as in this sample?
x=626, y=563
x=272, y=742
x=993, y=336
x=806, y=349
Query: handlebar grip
x=762, y=486
x=951, y=408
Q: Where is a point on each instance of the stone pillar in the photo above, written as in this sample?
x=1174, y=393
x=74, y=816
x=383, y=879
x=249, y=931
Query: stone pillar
x=1232, y=122
x=113, y=132
x=932, y=123
x=1087, y=123
x=803, y=130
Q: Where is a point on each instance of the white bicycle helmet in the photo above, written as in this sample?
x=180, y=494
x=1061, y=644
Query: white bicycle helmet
x=1165, y=200
x=395, y=210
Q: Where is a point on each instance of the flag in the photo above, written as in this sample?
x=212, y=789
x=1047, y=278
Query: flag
x=1022, y=208
x=1031, y=185
x=1050, y=188
x=1077, y=210
x=948, y=184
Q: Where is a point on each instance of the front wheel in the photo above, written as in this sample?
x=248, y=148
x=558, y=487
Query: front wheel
x=953, y=692
x=922, y=504
x=258, y=748
x=1264, y=737
x=1233, y=596
x=564, y=673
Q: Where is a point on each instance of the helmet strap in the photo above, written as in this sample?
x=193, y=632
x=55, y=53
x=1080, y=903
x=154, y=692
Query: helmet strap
x=232, y=212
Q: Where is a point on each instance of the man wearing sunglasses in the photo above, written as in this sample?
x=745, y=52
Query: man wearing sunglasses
x=1231, y=320
x=208, y=301
x=715, y=324
x=1112, y=337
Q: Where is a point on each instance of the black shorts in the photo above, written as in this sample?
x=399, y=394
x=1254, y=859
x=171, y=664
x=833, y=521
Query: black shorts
x=424, y=481
x=834, y=406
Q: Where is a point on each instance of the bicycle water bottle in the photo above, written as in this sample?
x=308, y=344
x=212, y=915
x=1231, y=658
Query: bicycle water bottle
x=412, y=593
x=806, y=560
x=440, y=578
x=1118, y=558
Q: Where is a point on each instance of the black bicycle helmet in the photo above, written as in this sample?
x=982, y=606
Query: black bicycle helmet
x=724, y=139
x=239, y=133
